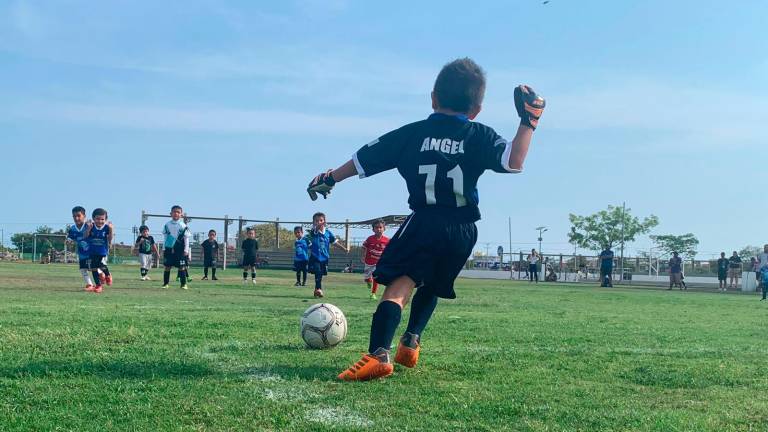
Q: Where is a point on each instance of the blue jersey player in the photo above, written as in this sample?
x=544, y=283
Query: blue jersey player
x=320, y=240
x=76, y=234
x=300, y=255
x=99, y=235
x=441, y=159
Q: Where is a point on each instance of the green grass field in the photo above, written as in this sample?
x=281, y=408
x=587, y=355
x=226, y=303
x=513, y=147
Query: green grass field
x=503, y=356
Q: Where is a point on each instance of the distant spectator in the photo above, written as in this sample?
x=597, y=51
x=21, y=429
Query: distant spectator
x=722, y=271
x=533, y=266
x=734, y=269
x=675, y=271
x=763, y=264
x=606, y=267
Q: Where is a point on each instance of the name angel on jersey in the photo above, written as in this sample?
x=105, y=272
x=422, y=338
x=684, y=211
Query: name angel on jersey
x=445, y=145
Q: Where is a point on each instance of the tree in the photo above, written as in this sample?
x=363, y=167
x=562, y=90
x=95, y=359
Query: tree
x=684, y=244
x=42, y=245
x=607, y=228
x=748, y=251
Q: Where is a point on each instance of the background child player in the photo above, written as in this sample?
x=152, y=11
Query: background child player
x=373, y=247
x=176, y=247
x=189, y=255
x=99, y=235
x=76, y=234
x=300, y=256
x=320, y=240
x=147, y=248
x=250, y=246
x=441, y=159
x=210, y=253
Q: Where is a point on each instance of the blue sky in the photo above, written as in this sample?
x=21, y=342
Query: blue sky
x=231, y=107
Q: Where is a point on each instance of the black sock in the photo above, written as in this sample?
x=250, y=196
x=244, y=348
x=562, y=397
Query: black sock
x=144, y=272
x=183, y=277
x=303, y=277
x=298, y=277
x=213, y=271
x=205, y=271
x=166, y=277
x=253, y=275
x=422, y=307
x=105, y=269
x=318, y=281
x=96, y=279
x=245, y=275
x=383, y=326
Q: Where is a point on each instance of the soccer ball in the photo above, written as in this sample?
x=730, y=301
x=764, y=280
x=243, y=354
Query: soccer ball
x=323, y=325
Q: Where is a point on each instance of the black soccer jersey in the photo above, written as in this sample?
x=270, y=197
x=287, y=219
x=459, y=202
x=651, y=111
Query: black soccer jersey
x=250, y=246
x=210, y=249
x=145, y=246
x=441, y=159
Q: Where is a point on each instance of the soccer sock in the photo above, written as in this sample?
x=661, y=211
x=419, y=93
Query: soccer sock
x=205, y=271
x=374, y=287
x=369, y=282
x=318, y=281
x=183, y=277
x=144, y=272
x=253, y=275
x=383, y=326
x=298, y=276
x=245, y=275
x=422, y=307
x=86, y=277
x=213, y=271
x=303, y=277
x=166, y=277
x=105, y=269
x=96, y=277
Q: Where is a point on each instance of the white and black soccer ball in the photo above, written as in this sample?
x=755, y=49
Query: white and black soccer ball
x=323, y=325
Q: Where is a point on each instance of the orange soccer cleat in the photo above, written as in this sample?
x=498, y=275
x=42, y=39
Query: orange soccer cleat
x=108, y=280
x=98, y=289
x=318, y=293
x=89, y=288
x=369, y=367
x=408, y=350
x=102, y=278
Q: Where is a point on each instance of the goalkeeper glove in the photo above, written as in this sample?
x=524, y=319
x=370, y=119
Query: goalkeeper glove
x=529, y=106
x=321, y=184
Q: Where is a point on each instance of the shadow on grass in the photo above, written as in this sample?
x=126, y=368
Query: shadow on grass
x=306, y=373
x=109, y=369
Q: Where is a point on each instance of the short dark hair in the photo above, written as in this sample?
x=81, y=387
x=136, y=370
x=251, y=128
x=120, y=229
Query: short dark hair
x=78, y=209
x=298, y=228
x=99, y=212
x=143, y=228
x=212, y=231
x=176, y=207
x=378, y=222
x=317, y=215
x=460, y=85
x=248, y=229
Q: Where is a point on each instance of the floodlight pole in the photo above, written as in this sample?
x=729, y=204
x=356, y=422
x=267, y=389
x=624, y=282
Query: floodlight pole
x=510, y=247
x=541, y=230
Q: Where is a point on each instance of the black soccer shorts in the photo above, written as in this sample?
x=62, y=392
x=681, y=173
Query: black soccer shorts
x=173, y=259
x=97, y=261
x=85, y=263
x=209, y=262
x=431, y=249
x=318, y=267
x=299, y=266
x=249, y=261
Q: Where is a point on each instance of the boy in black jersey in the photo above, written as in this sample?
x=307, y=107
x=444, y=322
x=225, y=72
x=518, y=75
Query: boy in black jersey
x=210, y=253
x=250, y=246
x=441, y=159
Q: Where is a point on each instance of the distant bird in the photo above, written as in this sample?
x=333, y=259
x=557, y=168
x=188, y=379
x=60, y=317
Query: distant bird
x=545, y=2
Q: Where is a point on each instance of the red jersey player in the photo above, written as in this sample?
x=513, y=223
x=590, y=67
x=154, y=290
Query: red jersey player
x=373, y=247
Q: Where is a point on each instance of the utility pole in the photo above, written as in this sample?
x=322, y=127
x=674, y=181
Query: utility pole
x=510, y=247
x=621, y=258
x=541, y=230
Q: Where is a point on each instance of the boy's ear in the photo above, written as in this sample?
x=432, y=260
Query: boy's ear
x=474, y=112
